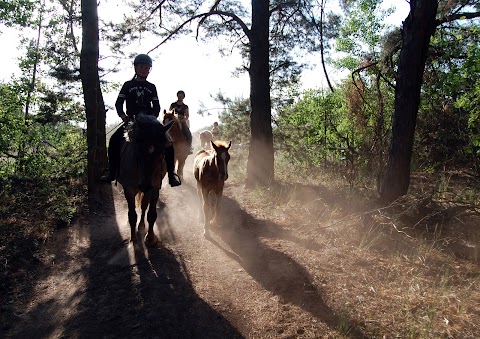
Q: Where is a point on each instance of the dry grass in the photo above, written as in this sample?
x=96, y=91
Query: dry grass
x=409, y=270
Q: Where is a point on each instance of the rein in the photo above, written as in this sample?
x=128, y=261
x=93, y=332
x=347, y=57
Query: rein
x=115, y=128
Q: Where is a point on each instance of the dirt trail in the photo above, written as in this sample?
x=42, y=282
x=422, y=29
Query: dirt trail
x=99, y=285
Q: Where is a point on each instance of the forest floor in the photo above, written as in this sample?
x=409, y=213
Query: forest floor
x=297, y=260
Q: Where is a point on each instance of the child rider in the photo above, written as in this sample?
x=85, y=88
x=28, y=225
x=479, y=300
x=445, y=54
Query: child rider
x=141, y=98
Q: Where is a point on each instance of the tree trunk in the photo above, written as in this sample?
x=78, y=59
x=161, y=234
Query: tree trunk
x=101, y=141
x=260, y=164
x=416, y=33
x=90, y=85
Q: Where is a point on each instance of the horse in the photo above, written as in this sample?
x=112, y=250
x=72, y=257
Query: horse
x=141, y=171
x=180, y=145
x=205, y=138
x=210, y=169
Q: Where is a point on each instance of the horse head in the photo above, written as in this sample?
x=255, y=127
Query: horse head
x=148, y=138
x=171, y=116
x=222, y=157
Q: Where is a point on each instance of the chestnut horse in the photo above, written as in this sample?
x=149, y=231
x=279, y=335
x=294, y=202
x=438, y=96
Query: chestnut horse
x=205, y=138
x=142, y=169
x=210, y=169
x=180, y=145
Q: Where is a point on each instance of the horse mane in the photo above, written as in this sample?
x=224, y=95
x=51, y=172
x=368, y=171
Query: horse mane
x=220, y=143
x=174, y=117
x=146, y=121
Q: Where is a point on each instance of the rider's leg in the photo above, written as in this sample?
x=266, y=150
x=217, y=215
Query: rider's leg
x=187, y=134
x=114, y=147
x=173, y=178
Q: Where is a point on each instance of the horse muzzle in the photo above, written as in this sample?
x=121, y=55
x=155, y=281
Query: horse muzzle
x=224, y=176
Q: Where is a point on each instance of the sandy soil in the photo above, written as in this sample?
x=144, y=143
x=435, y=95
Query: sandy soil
x=100, y=285
x=267, y=272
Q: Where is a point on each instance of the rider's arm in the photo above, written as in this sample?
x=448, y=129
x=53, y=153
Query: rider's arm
x=155, y=103
x=156, y=108
x=119, y=104
x=186, y=112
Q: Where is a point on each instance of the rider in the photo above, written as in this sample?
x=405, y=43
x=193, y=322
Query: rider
x=215, y=131
x=141, y=98
x=182, y=111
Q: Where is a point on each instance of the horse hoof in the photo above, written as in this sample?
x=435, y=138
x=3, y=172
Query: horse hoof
x=207, y=235
x=150, y=241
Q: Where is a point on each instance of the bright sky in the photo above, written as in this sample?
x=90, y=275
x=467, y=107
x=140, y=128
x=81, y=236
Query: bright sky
x=198, y=70
x=187, y=65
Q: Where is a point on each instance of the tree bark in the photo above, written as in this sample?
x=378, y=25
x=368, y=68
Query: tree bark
x=90, y=85
x=260, y=164
x=101, y=141
x=417, y=30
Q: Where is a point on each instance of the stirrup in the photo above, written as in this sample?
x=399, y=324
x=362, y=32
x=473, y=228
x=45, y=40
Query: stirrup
x=174, y=180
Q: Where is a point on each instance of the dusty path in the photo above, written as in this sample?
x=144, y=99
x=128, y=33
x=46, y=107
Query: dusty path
x=99, y=285
x=293, y=262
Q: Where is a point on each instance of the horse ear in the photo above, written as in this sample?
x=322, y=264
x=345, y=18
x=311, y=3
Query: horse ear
x=229, y=144
x=213, y=145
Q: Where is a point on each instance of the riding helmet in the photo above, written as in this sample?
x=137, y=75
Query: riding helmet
x=143, y=59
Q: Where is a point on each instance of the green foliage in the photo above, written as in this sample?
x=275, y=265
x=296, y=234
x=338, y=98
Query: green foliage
x=16, y=12
x=11, y=127
x=360, y=33
x=469, y=99
x=448, y=125
x=235, y=119
x=42, y=147
x=49, y=148
x=313, y=129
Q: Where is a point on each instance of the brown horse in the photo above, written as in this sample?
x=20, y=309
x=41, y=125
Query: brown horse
x=180, y=145
x=210, y=169
x=205, y=138
x=142, y=169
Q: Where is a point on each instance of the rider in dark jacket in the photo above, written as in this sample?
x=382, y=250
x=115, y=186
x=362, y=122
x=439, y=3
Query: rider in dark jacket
x=181, y=109
x=140, y=97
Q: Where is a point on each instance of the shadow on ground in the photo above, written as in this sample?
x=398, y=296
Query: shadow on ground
x=129, y=291
x=275, y=270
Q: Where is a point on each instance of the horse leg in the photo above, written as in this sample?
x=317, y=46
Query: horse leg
x=206, y=213
x=199, y=193
x=132, y=214
x=150, y=238
x=144, y=205
x=216, y=220
x=180, y=166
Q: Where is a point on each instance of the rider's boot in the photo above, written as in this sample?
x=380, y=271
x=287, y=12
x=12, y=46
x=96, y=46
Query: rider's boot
x=113, y=157
x=173, y=178
x=109, y=176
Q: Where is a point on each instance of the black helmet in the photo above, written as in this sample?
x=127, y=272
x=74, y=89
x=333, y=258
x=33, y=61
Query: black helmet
x=143, y=59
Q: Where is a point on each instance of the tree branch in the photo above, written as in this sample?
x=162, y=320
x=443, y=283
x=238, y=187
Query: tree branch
x=204, y=16
x=9, y=155
x=319, y=27
x=457, y=16
x=214, y=7
x=283, y=5
x=158, y=7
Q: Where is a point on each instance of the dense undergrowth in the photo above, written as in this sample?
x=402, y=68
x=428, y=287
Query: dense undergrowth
x=30, y=212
